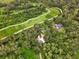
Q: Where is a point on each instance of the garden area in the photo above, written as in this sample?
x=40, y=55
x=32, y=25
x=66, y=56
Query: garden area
x=39, y=29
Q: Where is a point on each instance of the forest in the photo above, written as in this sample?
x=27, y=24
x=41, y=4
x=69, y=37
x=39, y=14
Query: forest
x=39, y=29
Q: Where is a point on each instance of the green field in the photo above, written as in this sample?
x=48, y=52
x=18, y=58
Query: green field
x=7, y=31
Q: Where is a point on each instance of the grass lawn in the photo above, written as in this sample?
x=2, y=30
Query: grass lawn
x=7, y=31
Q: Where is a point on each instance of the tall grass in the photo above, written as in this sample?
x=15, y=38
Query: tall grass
x=28, y=54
